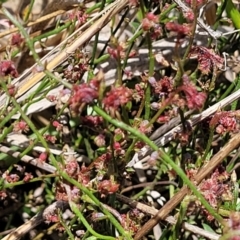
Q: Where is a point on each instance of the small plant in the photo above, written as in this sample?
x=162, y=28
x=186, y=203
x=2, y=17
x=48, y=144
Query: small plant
x=94, y=142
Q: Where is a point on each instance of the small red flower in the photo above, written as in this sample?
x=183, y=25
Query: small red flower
x=144, y=127
x=28, y=177
x=224, y=122
x=163, y=119
x=43, y=157
x=138, y=92
x=51, y=218
x=102, y=161
x=20, y=126
x=107, y=187
x=181, y=30
x=57, y=125
x=229, y=123
x=207, y=59
x=198, y=3
x=152, y=161
x=233, y=223
x=149, y=21
x=117, y=146
x=150, y=24
x=92, y=121
x=215, y=187
x=11, y=90
x=3, y=195
x=51, y=98
x=50, y=138
x=16, y=39
x=163, y=86
x=116, y=97
x=12, y=178
x=83, y=93
x=81, y=16
x=8, y=68
x=72, y=167
x=195, y=99
x=189, y=15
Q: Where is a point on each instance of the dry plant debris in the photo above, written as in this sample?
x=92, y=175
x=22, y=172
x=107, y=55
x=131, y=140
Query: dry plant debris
x=119, y=119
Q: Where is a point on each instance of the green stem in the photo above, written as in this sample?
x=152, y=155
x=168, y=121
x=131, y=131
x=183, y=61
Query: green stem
x=65, y=175
x=94, y=51
x=26, y=18
x=10, y=185
x=26, y=36
x=164, y=157
x=85, y=223
x=66, y=228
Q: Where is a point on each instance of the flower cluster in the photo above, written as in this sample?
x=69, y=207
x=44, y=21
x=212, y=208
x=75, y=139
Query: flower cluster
x=20, y=126
x=130, y=223
x=199, y=3
x=151, y=24
x=83, y=93
x=162, y=87
x=101, y=162
x=16, y=39
x=208, y=60
x=80, y=15
x=224, y=122
x=195, y=99
x=92, y=121
x=181, y=30
x=74, y=72
x=106, y=187
x=215, y=188
x=145, y=127
x=117, y=52
x=116, y=97
x=138, y=92
x=7, y=68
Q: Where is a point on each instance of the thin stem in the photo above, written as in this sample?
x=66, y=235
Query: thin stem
x=65, y=175
x=86, y=224
x=37, y=179
x=164, y=157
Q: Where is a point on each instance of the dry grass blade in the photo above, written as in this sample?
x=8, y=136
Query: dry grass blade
x=28, y=159
x=167, y=137
x=32, y=79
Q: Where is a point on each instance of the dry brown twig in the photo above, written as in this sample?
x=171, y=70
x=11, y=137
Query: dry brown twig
x=36, y=220
x=178, y=197
x=170, y=219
